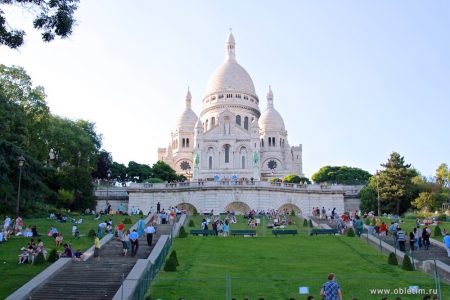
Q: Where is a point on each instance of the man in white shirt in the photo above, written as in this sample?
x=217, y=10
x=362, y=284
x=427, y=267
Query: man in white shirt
x=150, y=230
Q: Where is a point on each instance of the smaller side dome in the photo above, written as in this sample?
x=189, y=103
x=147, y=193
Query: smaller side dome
x=270, y=119
x=188, y=118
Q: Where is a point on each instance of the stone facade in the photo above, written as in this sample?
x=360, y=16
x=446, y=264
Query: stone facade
x=231, y=138
x=220, y=197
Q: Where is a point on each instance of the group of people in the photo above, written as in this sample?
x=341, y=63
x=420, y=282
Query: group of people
x=220, y=227
x=31, y=251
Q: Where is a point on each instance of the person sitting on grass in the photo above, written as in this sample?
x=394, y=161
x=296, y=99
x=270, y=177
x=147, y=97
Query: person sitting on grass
x=67, y=251
x=78, y=255
x=58, y=239
x=39, y=249
x=23, y=257
x=53, y=232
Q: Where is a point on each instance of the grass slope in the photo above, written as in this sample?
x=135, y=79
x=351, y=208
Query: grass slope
x=275, y=267
x=15, y=275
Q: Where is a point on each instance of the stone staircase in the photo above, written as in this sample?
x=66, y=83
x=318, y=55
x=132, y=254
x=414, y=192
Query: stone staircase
x=94, y=279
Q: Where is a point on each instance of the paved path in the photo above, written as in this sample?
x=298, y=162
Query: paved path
x=93, y=279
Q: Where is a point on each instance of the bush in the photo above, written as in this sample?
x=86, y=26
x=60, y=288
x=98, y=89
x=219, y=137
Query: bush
x=127, y=221
x=374, y=221
x=292, y=212
x=305, y=222
x=39, y=259
x=442, y=217
x=91, y=233
x=410, y=215
x=407, y=265
x=350, y=232
x=182, y=233
x=141, y=213
x=173, y=255
x=194, y=212
x=437, y=231
x=392, y=259
x=311, y=223
x=53, y=256
x=170, y=265
x=367, y=221
x=191, y=223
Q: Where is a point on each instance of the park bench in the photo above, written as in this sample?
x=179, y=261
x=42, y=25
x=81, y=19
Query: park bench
x=243, y=232
x=317, y=231
x=276, y=232
x=202, y=232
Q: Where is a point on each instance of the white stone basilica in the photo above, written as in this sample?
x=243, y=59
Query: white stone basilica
x=231, y=138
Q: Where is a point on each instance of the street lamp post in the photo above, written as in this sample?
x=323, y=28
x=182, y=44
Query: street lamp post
x=21, y=161
x=79, y=157
x=377, y=175
x=108, y=183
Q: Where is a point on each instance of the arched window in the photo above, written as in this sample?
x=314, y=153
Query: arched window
x=246, y=123
x=206, y=125
x=262, y=142
x=183, y=143
x=243, y=162
x=238, y=120
x=210, y=163
x=227, y=153
x=273, y=142
x=187, y=143
x=213, y=122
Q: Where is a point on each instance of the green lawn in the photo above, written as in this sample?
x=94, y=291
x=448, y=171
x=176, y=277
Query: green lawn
x=275, y=267
x=15, y=275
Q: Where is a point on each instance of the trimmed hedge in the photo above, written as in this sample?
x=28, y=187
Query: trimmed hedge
x=183, y=233
x=392, y=259
x=350, y=232
x=407, y=264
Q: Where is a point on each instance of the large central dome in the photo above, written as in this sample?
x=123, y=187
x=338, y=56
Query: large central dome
x=230, y=76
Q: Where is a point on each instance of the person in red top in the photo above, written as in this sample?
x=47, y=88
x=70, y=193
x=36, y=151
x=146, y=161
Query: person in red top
x=120, y=229
x=383, y=229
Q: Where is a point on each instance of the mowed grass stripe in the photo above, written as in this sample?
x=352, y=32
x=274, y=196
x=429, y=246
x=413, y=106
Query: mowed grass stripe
x=275, y=267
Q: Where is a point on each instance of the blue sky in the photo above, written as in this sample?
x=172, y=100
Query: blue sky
x=353, y=80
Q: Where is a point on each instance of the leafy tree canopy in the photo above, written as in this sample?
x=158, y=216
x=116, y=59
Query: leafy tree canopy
x=341, y=175
x=296, y=179
x=52, y=17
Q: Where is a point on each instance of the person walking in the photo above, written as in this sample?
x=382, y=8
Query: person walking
x=447, y=243
x=331, y=289
x=401, y=239
x=125, y=238
x=359, y=226
x=96, y=247
x=150, y=230
x=134, y=239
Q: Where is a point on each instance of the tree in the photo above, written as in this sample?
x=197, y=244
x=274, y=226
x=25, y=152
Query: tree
x=341, y=175
x=296, y=179
x=163, y=171
x=138, y=172
x=65, y=197
x=52, y=17
x=395, y=183
x=368, y=196
x=104, y=164
x=426, y=201
x=118, y=172
x=443, y=175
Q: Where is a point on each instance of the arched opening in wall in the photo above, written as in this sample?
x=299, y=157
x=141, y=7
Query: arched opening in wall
x=210, y=163
x=213, y=122
x=288, y=207
x=238, y=120
x=226, y=149
x=187, y=207
x=246, y=123
x=238, y=207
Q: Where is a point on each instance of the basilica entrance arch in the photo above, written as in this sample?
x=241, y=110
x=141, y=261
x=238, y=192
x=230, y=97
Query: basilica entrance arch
x=289, y=207
x=238, y=207
x=189, y=208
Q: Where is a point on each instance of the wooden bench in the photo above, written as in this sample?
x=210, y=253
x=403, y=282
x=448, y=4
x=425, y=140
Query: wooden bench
x=243, y=232
x=317, y=231
x=202, y=232
x=276, y=232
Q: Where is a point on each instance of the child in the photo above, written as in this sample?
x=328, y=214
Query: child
x=78, y=255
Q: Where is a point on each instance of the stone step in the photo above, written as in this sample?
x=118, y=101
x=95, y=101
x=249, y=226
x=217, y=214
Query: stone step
x=94, y=279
